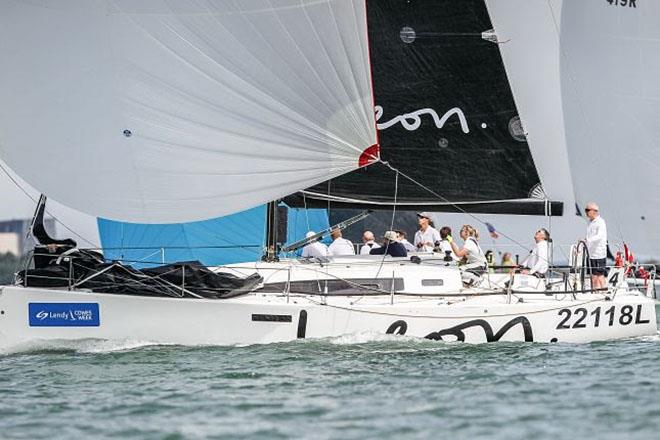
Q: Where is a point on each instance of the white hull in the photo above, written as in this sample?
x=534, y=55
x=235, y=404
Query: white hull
x=267, y=318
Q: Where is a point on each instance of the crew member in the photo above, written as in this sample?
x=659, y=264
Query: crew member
x=427, y=235
x=474, y=259
x=340, y=245
x=315, y=249
x=445, y=246
x=596, y=245
x=537, y=262
x=507, y=260
x=404, y=241
x=391, y=246
x=369, y=243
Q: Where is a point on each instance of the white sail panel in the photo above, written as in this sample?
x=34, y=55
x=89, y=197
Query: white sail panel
x=528, y=39
x=610, y=71
x=170, y=111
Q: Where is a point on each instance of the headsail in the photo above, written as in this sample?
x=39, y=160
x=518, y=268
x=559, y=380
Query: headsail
x=158, y=111
x=446, y=115
x=610, y=79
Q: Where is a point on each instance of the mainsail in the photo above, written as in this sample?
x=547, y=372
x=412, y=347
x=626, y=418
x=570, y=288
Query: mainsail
x=158, y=111
x=446, y=115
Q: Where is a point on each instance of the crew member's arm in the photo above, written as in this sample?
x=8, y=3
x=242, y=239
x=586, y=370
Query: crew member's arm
x=460, y=253
x=378, y=251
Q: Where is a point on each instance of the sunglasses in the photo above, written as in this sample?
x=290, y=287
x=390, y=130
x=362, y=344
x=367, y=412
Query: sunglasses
x=590, y=209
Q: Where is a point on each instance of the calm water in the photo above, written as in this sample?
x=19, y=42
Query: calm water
x=358, y=386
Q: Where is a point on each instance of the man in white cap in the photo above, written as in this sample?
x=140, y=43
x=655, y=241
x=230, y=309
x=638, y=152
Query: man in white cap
x=427, y=235
x=369, y=243
x=596, y=245
x=391, y=246
x=316, y=249
x=339, y=245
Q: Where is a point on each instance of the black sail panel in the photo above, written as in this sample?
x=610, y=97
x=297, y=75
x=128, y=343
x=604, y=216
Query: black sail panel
x=446, y=117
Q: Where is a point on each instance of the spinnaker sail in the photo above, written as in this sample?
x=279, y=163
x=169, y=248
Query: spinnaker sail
x=161, y=112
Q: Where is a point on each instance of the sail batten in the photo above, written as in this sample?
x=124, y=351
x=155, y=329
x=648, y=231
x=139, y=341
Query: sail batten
x=182, y=111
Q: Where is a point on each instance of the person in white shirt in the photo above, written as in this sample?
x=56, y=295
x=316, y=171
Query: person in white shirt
x=471, y=253
x=596, y=245
x=339, y=245
x=369, y=243
x=537, y=261
x=404, y=241
x=427, y=235
x=316, y=249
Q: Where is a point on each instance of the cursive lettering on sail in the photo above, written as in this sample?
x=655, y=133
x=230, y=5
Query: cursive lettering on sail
x=412, y=121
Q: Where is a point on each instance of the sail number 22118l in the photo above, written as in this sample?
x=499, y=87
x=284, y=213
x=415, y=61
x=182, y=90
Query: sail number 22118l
x=599, y=317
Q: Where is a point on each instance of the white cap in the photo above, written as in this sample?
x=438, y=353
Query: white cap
x=391, y=236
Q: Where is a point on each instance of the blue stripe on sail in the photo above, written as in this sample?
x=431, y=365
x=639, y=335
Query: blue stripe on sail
x=224, y=240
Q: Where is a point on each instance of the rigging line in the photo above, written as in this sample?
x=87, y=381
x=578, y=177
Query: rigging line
x=375, y=312
x=396, y=193
x=29, y=196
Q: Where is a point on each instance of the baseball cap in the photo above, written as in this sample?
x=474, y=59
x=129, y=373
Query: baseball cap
x=391, y=236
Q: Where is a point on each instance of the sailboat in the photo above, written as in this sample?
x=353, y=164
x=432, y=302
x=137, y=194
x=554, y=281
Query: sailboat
x=179, y=112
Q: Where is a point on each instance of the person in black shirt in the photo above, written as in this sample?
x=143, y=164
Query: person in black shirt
x=391, y=246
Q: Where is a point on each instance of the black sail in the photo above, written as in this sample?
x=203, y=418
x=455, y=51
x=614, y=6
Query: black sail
x=446, y=118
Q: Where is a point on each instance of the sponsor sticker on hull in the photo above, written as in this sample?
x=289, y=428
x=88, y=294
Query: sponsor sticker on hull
x=64, y=315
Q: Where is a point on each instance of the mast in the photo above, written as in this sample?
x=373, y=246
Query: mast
x=271, y=232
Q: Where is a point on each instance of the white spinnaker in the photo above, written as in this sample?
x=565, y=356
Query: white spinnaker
x=610, y=70
x=170, y=111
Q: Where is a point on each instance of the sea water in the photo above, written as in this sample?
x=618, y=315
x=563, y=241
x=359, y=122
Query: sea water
x=355, y=386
